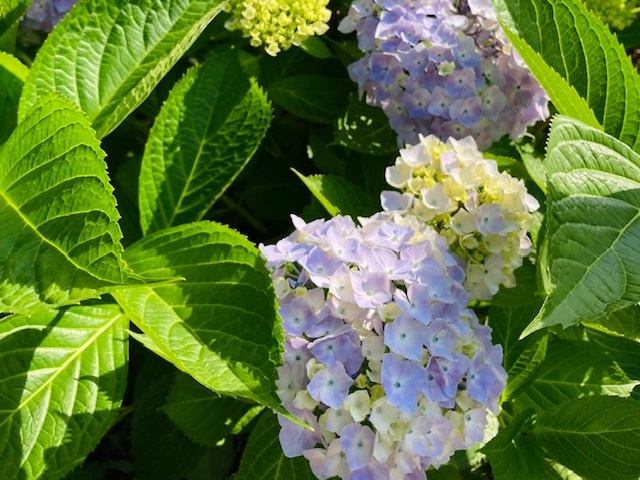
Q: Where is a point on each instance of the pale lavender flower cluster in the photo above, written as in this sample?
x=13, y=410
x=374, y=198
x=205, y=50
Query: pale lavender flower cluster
x=443, y=67
x=484, y=214
x=45, y=14
x=382, y=358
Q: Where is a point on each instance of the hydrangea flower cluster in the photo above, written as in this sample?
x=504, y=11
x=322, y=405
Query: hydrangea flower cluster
x=45, y=14
x=443, y=67
x=484, y=214
x=382, y=356
x=278, y=24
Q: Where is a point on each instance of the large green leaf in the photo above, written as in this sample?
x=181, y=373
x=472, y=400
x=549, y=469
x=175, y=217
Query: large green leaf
x=62, y=379
x=593, y=225
x=583, y=51
x=107, y=55
x=513, y=453
x=205, y=417
x=207, y=130
x=12, y=76
x=573, y=369
x=60, y=241
x=219, y=325
x=597, y=437
x=263, y=458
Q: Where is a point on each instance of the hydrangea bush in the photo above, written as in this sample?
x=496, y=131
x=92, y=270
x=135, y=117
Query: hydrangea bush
x=457, y=296
x=444, y=68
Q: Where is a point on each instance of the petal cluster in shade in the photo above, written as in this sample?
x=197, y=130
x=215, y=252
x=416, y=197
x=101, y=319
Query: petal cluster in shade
x=382, y=356
x=442, y=67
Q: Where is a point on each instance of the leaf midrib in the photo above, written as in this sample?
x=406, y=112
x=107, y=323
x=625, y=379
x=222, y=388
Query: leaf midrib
x=44, y=239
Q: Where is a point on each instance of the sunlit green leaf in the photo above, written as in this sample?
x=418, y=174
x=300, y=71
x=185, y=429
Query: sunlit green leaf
x=207, y=130
x=108, y=55
x=62, y=379
x=60, y=241
x=593, y=226
x=581, y=50
x=338, y=195
x=220, y=324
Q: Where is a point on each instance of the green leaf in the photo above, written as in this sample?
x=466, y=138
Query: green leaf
x=575, y=369
x=10, y=12
x=593, y=225
x=625, y=322
x=60, y=242
x=365, y=129
x=316, y=47
x=12, y=76
x=160, y=449
x=522, y=357
x=514, y=453
x=205, y=417
x=534, y=163
x=583, y=51
x=562, y=94
x=263, y=458
x=62, y=379
x=508, y=316
x=338, y=195
x=207, y=130
x=524, y=370
x=312, y=97
x=108, y=63
x=625, y=351
x=597, y=437
x=219, y=325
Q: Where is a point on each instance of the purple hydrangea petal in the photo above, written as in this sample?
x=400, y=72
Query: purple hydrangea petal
x=330, y=385
x=402, y=381
x=357, y=442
